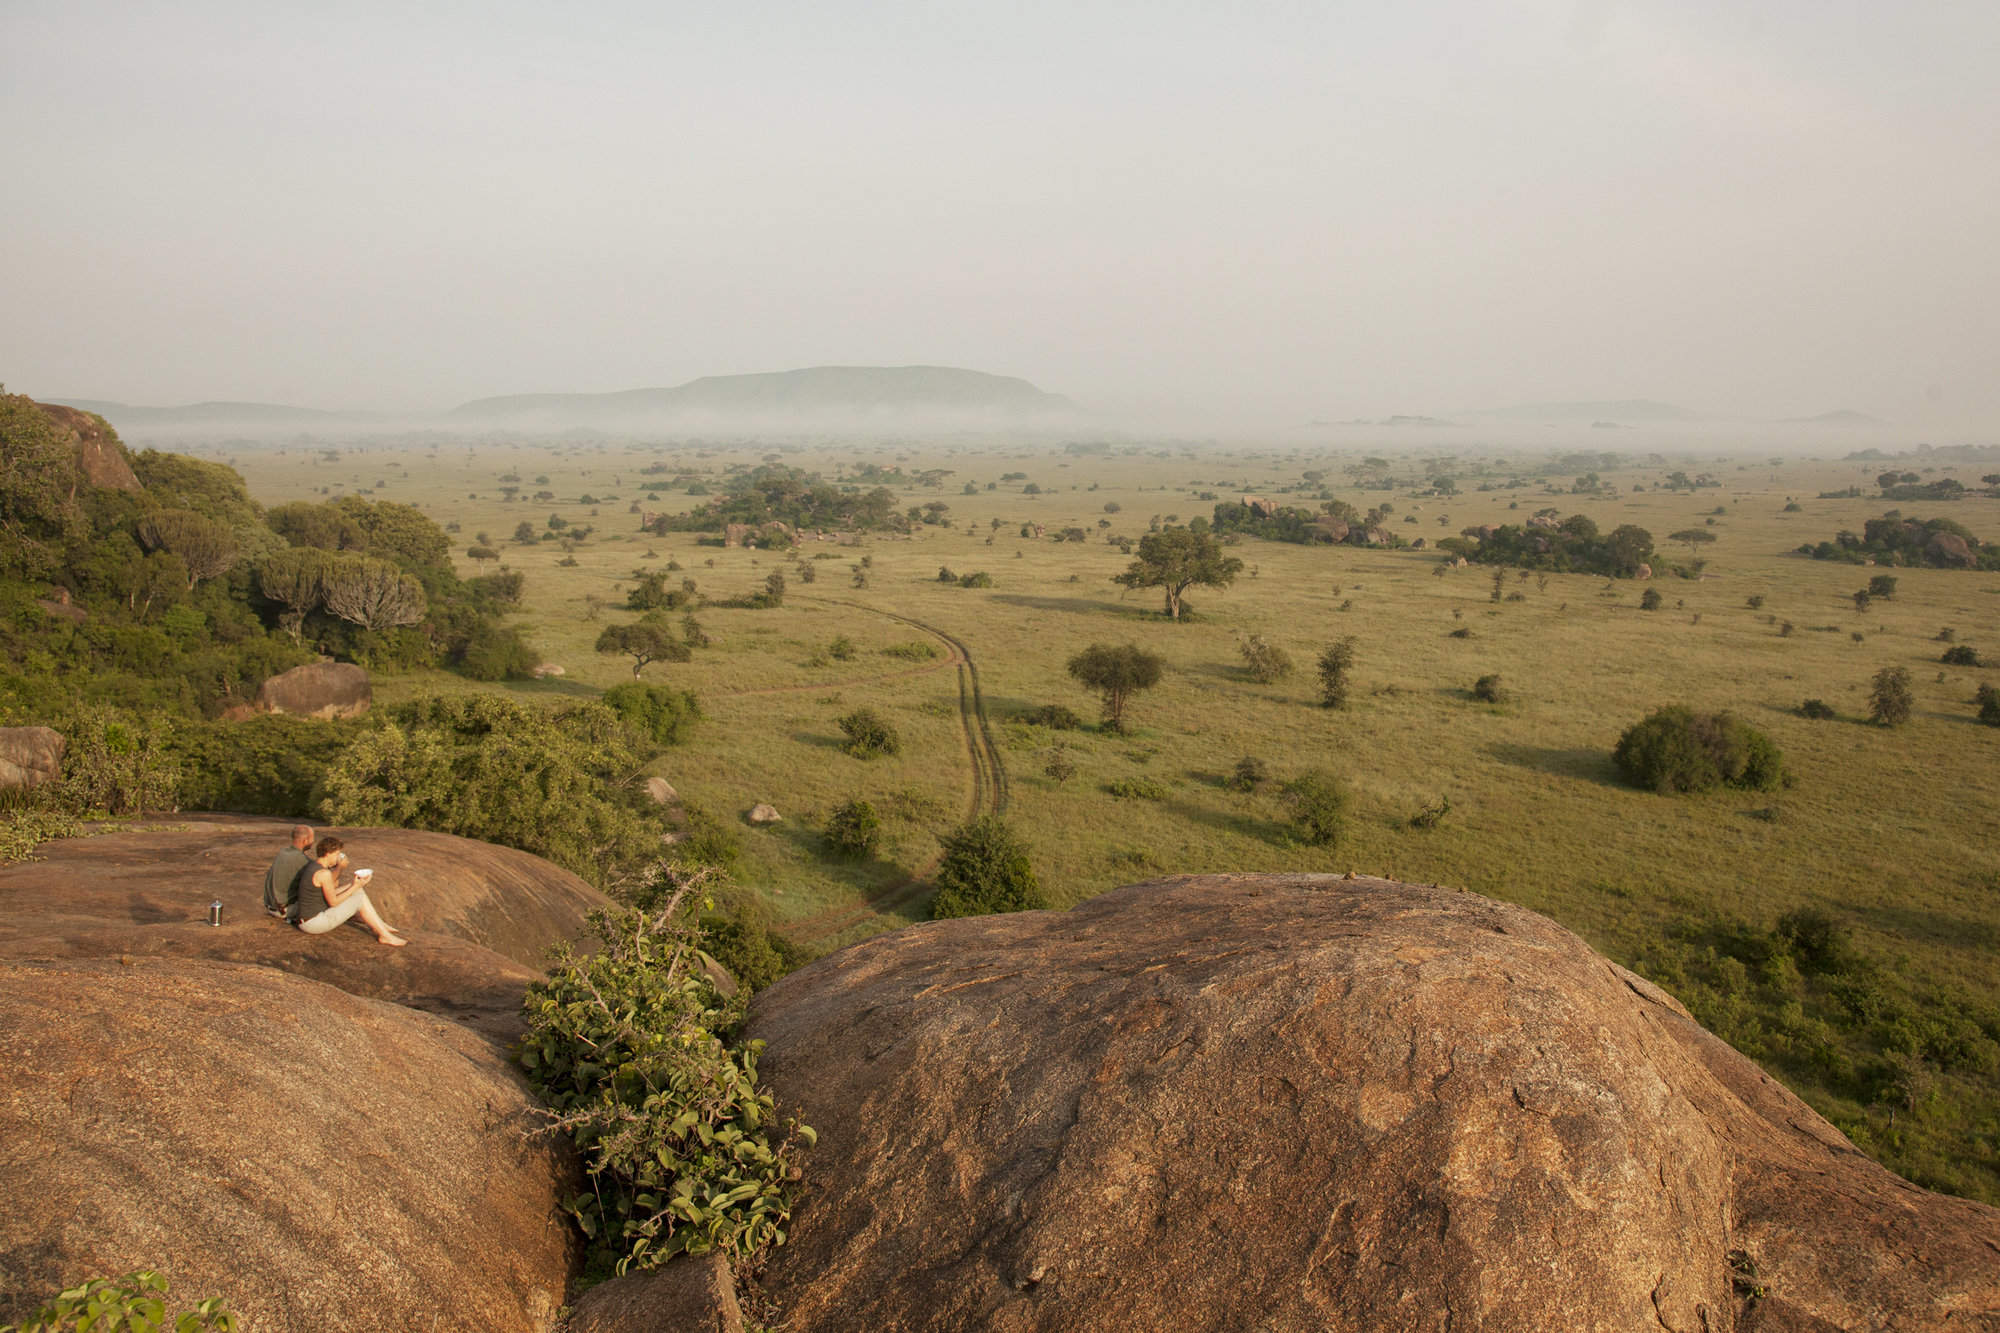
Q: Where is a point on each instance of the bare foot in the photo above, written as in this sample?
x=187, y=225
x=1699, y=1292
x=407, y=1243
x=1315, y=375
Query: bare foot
x=393, y=941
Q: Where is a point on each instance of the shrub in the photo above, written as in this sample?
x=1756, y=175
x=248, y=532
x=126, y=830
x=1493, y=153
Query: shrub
x=1882, y=585
x=869, y=734
x=1963, y=654
x=1988, y=700
x=667, y=716
x=919, y=650
x=1756, y=602
x=1137, y=789
x=132, y=1302
x=980, y=579
x=683, y=1151
x=266, y=765
x=1266, y=662
x=1060, y=768
x=1487, y=690
x=1335, y=661
x=1678, y=750
x=1318, y=804
x=841, y=649
x=854, y=829
x=1817, y=709
x=118, y=766
x=741, y=935
x=1053, y=716
x=984, y=869
x=1650, y=600
x=1890, y=699
x=1250, y=774
x=1432, y=814
x=705, y=841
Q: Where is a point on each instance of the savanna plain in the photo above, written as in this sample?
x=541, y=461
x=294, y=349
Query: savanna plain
x=1840, y=929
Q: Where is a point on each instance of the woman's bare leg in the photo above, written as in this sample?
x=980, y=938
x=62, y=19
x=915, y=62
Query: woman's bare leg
x=373, y=920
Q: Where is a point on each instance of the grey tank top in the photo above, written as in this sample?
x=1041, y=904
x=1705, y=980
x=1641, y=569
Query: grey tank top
x=311, y=901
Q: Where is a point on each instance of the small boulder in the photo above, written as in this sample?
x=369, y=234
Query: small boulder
x=661, y=792
x=1645, y=572
x=318, y=689
x=546, y=670
x=687, y=1295
x=765, y=814
x=30, y=756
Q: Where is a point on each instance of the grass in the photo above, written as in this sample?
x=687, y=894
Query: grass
x=1888, y=830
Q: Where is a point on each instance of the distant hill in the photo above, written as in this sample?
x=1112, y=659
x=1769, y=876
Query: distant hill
x=122, y=415
x=1842, y=417
x=1617, y=410
x=806, y=397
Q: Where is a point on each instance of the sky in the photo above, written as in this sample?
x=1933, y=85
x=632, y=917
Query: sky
x=1251, y=211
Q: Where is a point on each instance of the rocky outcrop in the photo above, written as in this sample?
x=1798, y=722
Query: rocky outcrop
x=100, y=457
x=322, y=1162
x=1950, y=551
x=317, y=689
x=762, y=813
x=1298, y=1102
x=661, y=792
x=481, y=918
x=30, y=756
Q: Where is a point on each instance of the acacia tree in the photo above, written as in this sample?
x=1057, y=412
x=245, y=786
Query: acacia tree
x=1891, y=700
x=1116, y=672
x=1334, y=663
x=1176, y=559
x=204, y=545
x=373, y=594
x=1692, y=538
x=644, y=642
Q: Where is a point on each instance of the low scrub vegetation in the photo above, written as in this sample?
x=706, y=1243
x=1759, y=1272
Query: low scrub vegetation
x=1676, y=749
x=985, y=869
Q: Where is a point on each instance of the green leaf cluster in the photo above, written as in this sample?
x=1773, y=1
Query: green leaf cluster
x=1675, y=749
x=129, y=1304
x=632, y=1047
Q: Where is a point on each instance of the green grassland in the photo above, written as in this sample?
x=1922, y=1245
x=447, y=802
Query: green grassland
x=1891, y=831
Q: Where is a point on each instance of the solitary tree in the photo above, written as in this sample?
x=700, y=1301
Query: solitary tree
x=373, y=594
x=1334, y=663
x=644, y=642
x=1317, y=802
x=1116, y=672
x=1267, y=663
x=1891, y=699
x=985, y=869
x=1176, y=559
x=1692, y=538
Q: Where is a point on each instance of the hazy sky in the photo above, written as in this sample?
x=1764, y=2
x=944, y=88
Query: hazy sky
x=1259, y=211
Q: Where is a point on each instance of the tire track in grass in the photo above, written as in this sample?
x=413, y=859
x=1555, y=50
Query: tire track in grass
x=989, y=784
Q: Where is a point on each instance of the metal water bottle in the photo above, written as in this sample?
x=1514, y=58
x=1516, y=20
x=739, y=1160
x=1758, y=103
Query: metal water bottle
x=215, y=913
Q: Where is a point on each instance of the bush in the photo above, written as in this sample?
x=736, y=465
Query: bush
x=118, y=766
x=1335, y=661
x=1817, y=709
x=265, y=765
x=985, y=869
x=1988, y=700
x=665, y=715
x=1250, y=774
x=1053, y=716
x=705, y=841
x=1060, y=767
x=841, y=649
x=1318, y=804
x=741, y=935
x=1137, y=789
x=1678, y=750
x=132, y=1302
x=868, y=734
x=1432, y=814
x=1963, y=654
x=919, y=650
x=1487, y=690
x=1266, y=662
x=978, y=580
x=1650, y=600
x=629, y=1045
x=854, y=829
x=1890, y=699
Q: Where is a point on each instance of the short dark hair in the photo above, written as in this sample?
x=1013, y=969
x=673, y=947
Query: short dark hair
x=327, y=844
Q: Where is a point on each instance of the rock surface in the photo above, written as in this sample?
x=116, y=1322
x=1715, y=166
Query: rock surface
x=322, y=1162
x=481, y=917
x=686, y=1296
x=661, y=792
x=99, y=455
x=765, y=814
x=318, y=689
x=30, y=756
x=1296, y=1102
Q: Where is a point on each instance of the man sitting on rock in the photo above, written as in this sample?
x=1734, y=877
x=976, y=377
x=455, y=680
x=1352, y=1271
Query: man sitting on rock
x=281, y=881
x=325, y=904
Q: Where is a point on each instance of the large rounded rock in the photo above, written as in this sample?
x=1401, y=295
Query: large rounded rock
x=322, y=1162
x=481, y=918
x=1296, y=1102
x=30, y=756
x=100, y=455
x=317, y=689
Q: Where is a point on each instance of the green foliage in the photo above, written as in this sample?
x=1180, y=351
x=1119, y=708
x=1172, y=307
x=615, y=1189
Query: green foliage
x=1963, y=654
x=645, y=642
x=704, y=841
x=869, y=734
x=26, y=826
x=270, y=764
x=1250, y=774
x=985, y=869
x=1572, y=546
x=1650, y=600
x=1117, y=672
x=1318, y=803
x=1137, y=789
x=490, y=767
x=1892, y=539
x=1675, y=749
x=1488, y=690
x=1053, y=716
x=39, y=514
x=1882, y=585
x=1176, y=559
x=1266, y=662
x=918, y=650
x=1060, y=768
x=1335, y=661
x=630, y=1046
x=741, y=934
x=854, y=829
x=1432, y=814
x=842, y=647
x=1890, y=698
x=1819, y=710
x=978, y=579
x=118, y=765
x=129, y=1304
x=665, y=715
x=787, y=495
x=1987, y=700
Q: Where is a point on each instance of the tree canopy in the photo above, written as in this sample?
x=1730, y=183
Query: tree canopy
x=1176, y=559
x=1116, y=672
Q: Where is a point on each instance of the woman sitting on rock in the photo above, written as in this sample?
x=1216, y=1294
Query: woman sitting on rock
x=320, y=888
